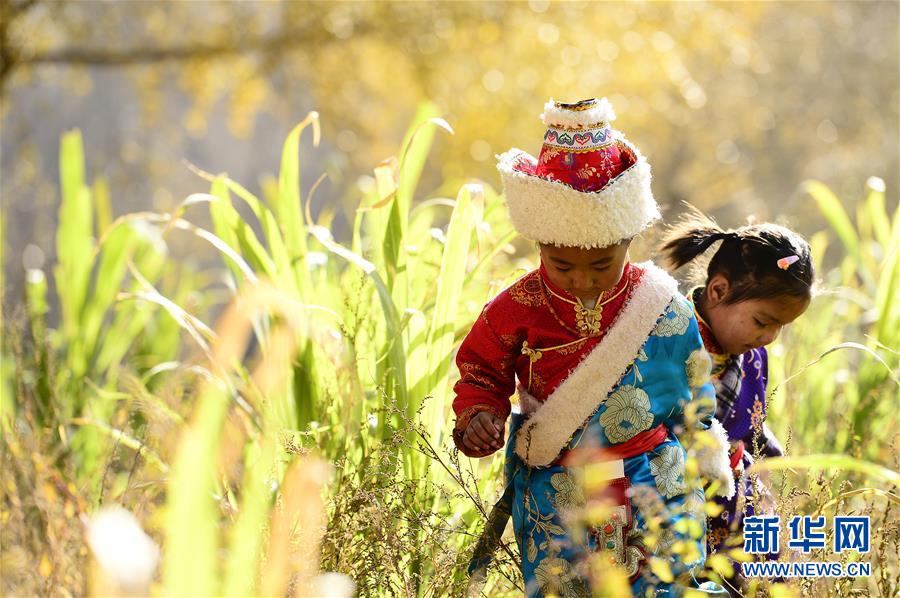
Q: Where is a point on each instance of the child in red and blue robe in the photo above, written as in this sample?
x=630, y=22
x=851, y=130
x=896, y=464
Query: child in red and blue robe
x=608, y=360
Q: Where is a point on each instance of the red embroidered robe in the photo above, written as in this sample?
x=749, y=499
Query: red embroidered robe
x=530, y=331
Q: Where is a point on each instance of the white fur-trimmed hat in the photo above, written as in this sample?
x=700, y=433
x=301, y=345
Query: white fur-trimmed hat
x=588, y=188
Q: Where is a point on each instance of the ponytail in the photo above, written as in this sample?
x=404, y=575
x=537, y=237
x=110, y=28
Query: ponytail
x=691, y=237
x=759, y=261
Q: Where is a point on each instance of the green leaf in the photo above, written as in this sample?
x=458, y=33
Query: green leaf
x=383, y=250
x=127, y=440
x=271, y=233
x=834, y=213
x=115, y=251
x=74, y=244
x=878, y=211
x=886, y=300
x=391, y=315
x=827, y=461
x=288, y=209
x=236, y=233
x=837, y=218
x=192, y=514
x=416, y=333
x=102, y=205
x=246, y=540
x=447, y=299
x=416, y=147
x=838, y=347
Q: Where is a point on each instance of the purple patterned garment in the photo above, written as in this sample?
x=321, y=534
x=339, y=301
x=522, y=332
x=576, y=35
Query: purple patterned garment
x=741, y=408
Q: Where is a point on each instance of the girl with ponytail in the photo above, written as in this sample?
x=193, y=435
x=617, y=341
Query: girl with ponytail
x=759, y=279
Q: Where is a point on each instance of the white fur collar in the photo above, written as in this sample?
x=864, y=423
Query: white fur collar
x=712, y=458
x=547, y=432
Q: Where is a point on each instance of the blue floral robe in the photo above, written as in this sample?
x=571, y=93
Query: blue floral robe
x=670, y=372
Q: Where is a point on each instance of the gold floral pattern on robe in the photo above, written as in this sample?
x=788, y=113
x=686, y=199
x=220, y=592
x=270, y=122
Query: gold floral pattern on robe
x=568, y=492
x=528, y=290
x=627, y=414
x=676, y=319
x=474, y=373
x=668, y=471
x=556, y=577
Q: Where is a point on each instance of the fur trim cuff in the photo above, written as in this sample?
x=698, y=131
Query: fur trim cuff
x=712, y=458
x=571, y=119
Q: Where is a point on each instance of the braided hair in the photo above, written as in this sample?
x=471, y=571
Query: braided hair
x=760, y=261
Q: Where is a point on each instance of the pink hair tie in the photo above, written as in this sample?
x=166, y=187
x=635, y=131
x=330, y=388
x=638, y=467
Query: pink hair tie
x=785, y=262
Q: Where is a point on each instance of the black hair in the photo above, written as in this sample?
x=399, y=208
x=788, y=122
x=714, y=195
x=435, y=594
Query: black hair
x=749, y=257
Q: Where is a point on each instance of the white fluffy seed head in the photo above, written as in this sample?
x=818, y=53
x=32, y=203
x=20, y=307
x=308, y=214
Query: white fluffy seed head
x=127, y=555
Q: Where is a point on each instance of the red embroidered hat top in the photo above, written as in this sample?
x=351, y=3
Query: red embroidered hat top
x=589, y=187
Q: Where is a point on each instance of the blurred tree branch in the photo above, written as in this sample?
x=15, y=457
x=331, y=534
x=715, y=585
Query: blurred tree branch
x=143, y=55
x=12, y=57
x=9, y=11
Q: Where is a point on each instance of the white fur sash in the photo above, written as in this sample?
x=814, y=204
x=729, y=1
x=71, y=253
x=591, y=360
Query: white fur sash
x=547, y=432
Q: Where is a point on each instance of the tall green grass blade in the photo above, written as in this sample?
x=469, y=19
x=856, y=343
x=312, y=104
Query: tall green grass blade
x=356, y=235
x=237, y=234
x=416, y=333
x=180, y=224
x=36, y=301
x=834, y=213
x=194, y=327
x=289, y=207
x=37, y=308
x=246, y=538
x=115, y=253
x=74, y=246
x=102, y=205
x=838, y=347
x=396, y=348
x=887, y=300
x=192, y=515
x=835, y=461
x=200, y=332
x=449, y=291
x=220, y=245
x=272, y=234
x=416, y=146
x=877, y=211
x=133, y=321
x=396, y=262
x=382, y=251
x=126, y=440
x=830, y=207
x=304, y=387
x=886, y=297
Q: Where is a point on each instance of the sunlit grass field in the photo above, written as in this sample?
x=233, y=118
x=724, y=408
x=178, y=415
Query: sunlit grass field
x=287, y=412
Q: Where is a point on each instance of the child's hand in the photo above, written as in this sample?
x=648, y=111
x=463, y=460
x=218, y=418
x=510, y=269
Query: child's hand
x=484, y=435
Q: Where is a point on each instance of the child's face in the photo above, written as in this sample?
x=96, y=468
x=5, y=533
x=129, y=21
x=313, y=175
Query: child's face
x=585, y=273
x=739, y=327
